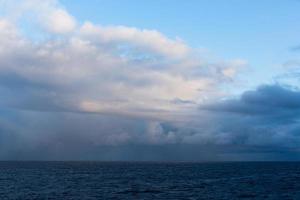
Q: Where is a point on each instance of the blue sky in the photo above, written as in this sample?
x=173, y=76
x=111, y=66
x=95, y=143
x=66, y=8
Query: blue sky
x=149, y=80
x=261, y=32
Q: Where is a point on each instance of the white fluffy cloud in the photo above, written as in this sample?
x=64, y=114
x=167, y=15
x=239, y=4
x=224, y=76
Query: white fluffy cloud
x=48, y=14
x=62, y=86
x=98, y=69
x=151, y=40
x=59, y=21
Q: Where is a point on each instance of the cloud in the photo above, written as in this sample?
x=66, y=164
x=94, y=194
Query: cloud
x=151, y=40
x=267, y=99
x=103, y=92
x=102, y=69
x=268, y=116
x=257, y=126
x=59, y=21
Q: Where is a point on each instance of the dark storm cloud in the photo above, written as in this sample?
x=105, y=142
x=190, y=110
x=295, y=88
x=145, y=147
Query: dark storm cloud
x=266, y=117
x=266, y=100
x=261, y=125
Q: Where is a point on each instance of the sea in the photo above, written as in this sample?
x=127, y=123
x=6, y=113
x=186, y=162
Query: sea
x=149, y=180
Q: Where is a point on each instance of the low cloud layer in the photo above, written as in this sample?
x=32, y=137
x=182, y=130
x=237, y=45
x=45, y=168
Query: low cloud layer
x=266, y=118
x=73, y=90
x=260, y=125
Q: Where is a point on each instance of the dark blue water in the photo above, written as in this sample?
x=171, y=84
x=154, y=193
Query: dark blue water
x=119, y=180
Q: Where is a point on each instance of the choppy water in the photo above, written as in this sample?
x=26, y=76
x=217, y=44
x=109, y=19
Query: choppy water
x=120, y=180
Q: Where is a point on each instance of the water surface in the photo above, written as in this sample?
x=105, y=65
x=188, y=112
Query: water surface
x=149, y=180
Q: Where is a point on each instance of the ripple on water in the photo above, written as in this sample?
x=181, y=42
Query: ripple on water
x=117, y=180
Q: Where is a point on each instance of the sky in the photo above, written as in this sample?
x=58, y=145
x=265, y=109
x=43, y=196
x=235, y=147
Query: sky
x=149, y=80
